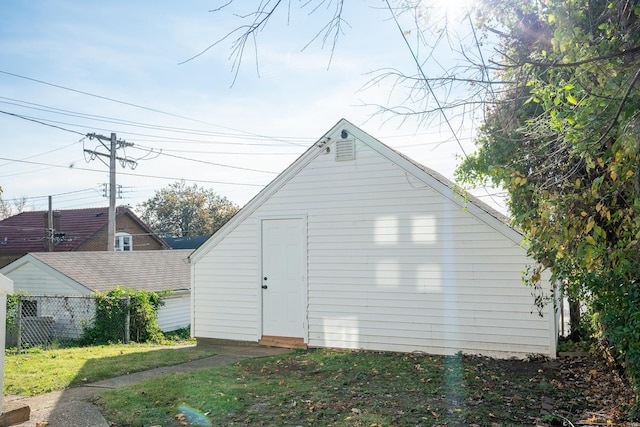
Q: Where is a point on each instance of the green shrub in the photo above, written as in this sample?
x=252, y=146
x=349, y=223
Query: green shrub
x=112, y=309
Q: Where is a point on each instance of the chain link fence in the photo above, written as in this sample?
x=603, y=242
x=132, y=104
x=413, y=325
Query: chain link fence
x=41, y=320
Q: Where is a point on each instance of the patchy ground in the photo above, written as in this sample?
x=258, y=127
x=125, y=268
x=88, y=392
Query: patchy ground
x=337, y=388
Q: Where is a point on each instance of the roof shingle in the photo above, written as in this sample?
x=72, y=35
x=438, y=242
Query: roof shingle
x=141, y=270
x=25, y=232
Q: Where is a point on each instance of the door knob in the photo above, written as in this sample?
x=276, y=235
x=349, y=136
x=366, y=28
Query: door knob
x=265, y=278
x=264, y=286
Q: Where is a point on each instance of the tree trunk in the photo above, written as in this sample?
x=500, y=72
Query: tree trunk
x=574, y=319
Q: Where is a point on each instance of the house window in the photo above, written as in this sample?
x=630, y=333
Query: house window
x=124, y=242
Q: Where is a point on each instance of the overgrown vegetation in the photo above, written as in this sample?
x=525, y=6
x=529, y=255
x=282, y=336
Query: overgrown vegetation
x=354, y=388
x=12, y=309
x=563, y=138
x=112, y=309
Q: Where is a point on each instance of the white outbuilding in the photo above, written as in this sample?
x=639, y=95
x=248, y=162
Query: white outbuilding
x=356, y=246
x=44, y=275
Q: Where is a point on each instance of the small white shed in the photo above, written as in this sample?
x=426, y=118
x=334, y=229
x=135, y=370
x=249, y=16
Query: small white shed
x=356, y=246
x=83, y=273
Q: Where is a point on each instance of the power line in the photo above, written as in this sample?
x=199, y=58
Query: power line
x=24, y=172
x=193, y=180
x=169, y=155
x=47, y=152
x=230, y=153
x=52, y=151
x=158, y=138
x=135, y=174
x=215, y=164
x=130, y=104
x=165, y=154
x=17, y=199
x=107, y=119
x=175, y=129
x=70, y=166
x=39, y=122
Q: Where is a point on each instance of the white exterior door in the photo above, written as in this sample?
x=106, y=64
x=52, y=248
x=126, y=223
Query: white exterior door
x=283, y=278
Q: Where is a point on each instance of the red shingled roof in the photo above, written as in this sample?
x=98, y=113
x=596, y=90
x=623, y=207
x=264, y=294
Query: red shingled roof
x=25, y=232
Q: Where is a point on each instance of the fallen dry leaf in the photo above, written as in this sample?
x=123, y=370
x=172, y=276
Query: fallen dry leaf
x=181, y=419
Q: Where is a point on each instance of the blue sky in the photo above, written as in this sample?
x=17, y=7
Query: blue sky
x=102, y=67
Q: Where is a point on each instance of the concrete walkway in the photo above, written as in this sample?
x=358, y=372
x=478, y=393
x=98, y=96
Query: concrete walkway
x=71, y=407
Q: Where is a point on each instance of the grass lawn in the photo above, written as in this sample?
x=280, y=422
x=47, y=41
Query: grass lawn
x=38, y=371
x=353, y=388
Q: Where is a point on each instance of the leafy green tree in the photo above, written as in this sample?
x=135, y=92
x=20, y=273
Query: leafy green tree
x=563, y=138
x=182, y=211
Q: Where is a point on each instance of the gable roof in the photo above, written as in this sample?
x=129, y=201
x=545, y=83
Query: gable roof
x=103, y=271
x=431, y=178
x=25, y=232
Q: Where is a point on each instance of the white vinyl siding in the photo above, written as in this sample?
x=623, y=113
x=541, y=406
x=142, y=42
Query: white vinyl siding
x=392, y=265
x=226, y=305
x=34, y=281
x=174, y=314
x=399, y=267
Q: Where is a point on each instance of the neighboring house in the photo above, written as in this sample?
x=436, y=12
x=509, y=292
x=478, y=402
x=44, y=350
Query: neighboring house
x=74, y=230
x=193, y=242
x=356, y=246
x=84, y=273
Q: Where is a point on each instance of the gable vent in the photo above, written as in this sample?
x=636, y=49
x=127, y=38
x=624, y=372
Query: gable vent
x=345, y=150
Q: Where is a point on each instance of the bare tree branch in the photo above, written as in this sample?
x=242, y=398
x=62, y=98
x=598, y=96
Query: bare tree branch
x=334, y=26
x=258, y=21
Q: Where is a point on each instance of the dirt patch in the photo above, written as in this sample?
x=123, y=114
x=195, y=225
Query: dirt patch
x=338, y=388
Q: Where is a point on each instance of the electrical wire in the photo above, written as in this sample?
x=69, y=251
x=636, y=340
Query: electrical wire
x=47, y=152
x=50, y=195
x=39, y=122
x=142, y=107
x=160, y=138
x=170, y=155
x=204, y=181
x=138, y=175
x=107, y=119
x=235, y=133
x=229, y=153
x=214, y=164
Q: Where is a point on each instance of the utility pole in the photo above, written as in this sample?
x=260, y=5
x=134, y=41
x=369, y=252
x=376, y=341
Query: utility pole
x=112, y=148
x=50, y=226
x=111, y=229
